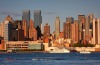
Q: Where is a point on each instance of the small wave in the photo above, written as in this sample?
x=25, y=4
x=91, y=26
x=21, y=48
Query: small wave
x=48, y=59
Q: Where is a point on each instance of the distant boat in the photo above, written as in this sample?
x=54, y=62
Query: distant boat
x=85, y=52
x=59, y=50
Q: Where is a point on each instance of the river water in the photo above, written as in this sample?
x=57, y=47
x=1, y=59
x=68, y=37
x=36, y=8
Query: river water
x=73, y=58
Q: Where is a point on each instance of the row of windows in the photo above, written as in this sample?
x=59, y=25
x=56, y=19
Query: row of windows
x=17, y=45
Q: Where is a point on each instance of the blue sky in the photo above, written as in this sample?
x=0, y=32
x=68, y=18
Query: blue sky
x=50, y=9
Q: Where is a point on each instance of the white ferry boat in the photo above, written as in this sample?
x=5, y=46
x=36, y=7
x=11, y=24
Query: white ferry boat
x=59, y=50
x=85, y=52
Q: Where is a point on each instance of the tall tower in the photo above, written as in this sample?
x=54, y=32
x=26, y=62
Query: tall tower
x=37, y=18
x=91, y=21
x=67, y=27
x=7, y=18
x=57, y=27
x=2, y=29
x=67, y=30
x=81, y=19
x=46, y=30
x=96, y=31
x=8, y=27
x=24, y=27
x=75, y=32
x=26, y=16
x=46, y=33
x=87, y=27
x=17, y=24
x=38, y=22
x=32, y=31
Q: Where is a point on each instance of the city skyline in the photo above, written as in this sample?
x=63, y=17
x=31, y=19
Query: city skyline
x=49, y=9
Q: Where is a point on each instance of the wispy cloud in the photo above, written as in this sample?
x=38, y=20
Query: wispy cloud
x=50, y=13
x=10, y=13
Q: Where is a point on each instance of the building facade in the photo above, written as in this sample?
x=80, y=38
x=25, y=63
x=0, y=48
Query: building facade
x=67, y=30
x=18, y=35
x=23, y=45
x=37, y=18
x=17, y=24
x=75, y=32
x=57, y=27
x=8, y=27
x=26, y=16
x=81, y=20
x=38, y=22
x=96, y=31
x=46, y=33
x=24, y=27
x=32, y=31
x=46, y=30
x=87, y=27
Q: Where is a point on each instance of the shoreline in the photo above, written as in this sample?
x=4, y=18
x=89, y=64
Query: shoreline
x=38, y=52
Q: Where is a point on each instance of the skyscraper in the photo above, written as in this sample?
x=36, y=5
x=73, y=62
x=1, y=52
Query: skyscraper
x=18, y=35
x=67, y=27
x=46, y=33
x=7, y=18
x=26, y=16
x=91, y=20
x=87, y=28
x=38, y=22
x=57, y=27
x=24, y=27
x=46, y=30
x=32, y=31
x=8, y=27
x=96, y=31
x=81, y=19
x=17, y=24
x=37, y=18
x=74, y=32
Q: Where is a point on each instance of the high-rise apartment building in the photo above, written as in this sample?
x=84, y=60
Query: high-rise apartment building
x=8, y=27
x=91, y=16
x=81, y=20
x=75, y=32
x=37, y=18
x=46, y=33
x=87, y=27
x=38, y=22
x=7, y=18
x=18, y=35
x=46, y=30
x=24, y=27
x=67, y=30
x=32, y=31
x=26, y=16
x=2, y=29
x=17, y=24
x=96, y=31
x=57, y=27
